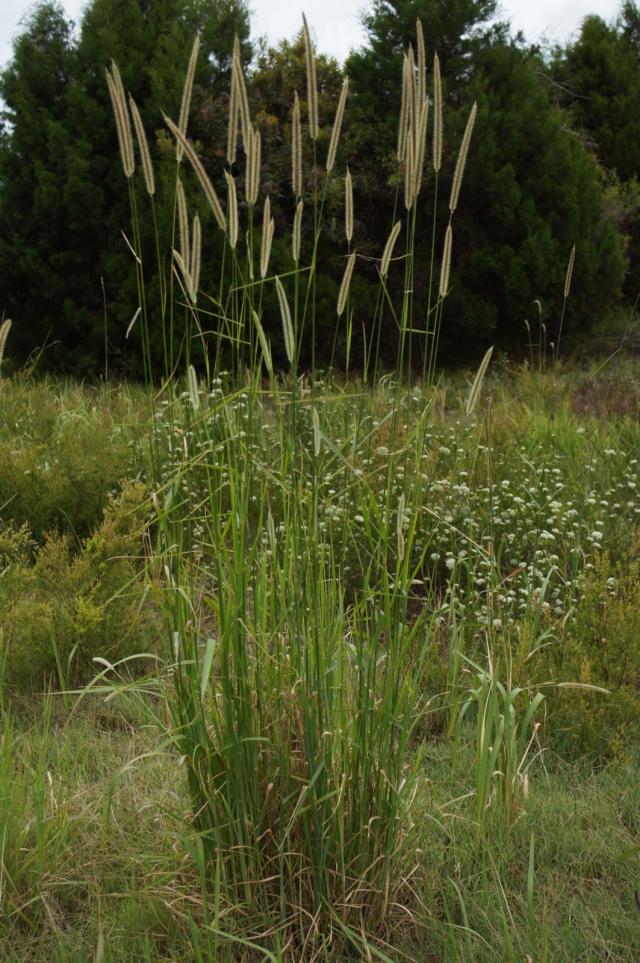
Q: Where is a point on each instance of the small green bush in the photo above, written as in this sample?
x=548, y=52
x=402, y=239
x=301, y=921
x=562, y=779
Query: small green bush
x=62, y=607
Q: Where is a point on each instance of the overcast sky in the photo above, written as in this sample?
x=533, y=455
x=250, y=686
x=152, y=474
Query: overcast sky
x=336, y=26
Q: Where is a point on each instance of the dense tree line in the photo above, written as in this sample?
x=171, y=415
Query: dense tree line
x=555, y=162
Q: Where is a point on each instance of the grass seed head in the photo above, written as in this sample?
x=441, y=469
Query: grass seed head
x=196, y=254
x=296, y=147
x=202, y=176
x=122, y=119
x=348, y=206
x=232, y=210
x=404, y=109
x=446, y=263
x=187, y=90
x=337, y=125
x=312, y=81
x=183, y=223
x=5, y=328
x=388, y=248
x=287, y=326
x=143, y=144
x=297, y=232
x=462, y=159
x=437, y=115
x=346, y=283
x=267, y=238
x=569, y=274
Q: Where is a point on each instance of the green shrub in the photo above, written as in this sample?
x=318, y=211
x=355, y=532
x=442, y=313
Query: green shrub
x=65, y=448
x=63, y=607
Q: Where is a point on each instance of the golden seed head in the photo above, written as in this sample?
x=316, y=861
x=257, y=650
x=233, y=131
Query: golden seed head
x=253, y=167
x=420, y=148
x=232, y=126
x=266, y=352
x=437, y=115
x=196, y=251
x=287, y=326
x=123, y=122
x=202, y=176
x=296, y=148
x=267, y=238
x=187, y=90
x=422, y=66
x=348, y=206
x=297, y=232
x=232, y=210
x=241, y=94
x=145, y=154
x=388, y=248
x=569, y=274
x=346, y=283
x=337, y=125
x=312, y=82
x=446, y=263
x=462, y=159
x=5, y=328
x=183, y=224
x=409, y=169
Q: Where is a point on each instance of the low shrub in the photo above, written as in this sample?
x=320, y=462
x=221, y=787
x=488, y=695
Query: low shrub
x=61, y=607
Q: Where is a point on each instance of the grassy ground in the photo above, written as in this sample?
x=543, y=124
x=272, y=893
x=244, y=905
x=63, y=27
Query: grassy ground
x=101, y=856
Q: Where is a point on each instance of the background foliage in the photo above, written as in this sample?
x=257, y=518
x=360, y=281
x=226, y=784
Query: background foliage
x=554, y=162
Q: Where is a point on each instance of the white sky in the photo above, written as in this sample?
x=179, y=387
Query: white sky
x=336, y=26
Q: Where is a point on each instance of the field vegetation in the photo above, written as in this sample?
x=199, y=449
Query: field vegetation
x=312, y=663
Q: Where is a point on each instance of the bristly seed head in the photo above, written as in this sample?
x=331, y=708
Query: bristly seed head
x=183, y=224
x=268, y=225
x=337, y=126
x=297, y=232
x=186, y=94
x=147, y=166
x=462, y=159
x=296, y=147
x=348, y=206
x=437, y=115
x=312, y=82
x=232, y=210
x=241, y=95
x=196, y=250
x=388, y=249
x=569, y=274
x=287, y=326
x=203, y=178
x=346, y=282
x=121, y=115
x=446, y=263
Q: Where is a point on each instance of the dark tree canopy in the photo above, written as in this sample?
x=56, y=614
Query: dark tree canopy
x=554, y=161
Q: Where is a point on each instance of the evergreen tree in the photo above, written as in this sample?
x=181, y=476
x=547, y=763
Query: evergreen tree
x=598, y=81
x=64, y=202
x=530, y=189
x=37, y=182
